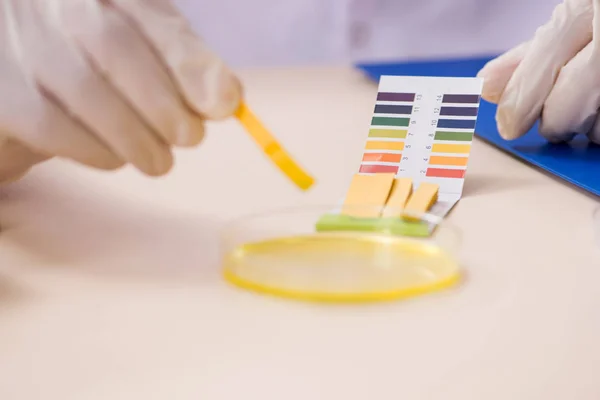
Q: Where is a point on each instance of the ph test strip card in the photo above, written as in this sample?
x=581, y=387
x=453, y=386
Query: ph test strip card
x=422, y=128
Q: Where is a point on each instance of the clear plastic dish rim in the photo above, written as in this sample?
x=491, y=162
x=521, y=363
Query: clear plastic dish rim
x=238, y=224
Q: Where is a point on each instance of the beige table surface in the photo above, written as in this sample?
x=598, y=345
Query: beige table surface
x=110, y=285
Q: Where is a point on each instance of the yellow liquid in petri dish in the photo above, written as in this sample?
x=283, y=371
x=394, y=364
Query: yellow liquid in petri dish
x=342, y=268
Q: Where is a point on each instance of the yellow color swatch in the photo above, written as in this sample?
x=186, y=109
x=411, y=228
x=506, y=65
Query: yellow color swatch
x=451, y=148
x=367, y=195
x=455, y=161
x=384, y=145
x=421, y=201
x=401, y=191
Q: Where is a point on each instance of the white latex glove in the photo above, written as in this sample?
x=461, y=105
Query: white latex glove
x=555, y=77
x=104, y=83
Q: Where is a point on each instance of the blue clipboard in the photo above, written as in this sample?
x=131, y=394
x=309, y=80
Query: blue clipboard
x=577, y=162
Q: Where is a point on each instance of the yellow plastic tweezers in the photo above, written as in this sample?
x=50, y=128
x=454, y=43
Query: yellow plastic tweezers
x=272, y=148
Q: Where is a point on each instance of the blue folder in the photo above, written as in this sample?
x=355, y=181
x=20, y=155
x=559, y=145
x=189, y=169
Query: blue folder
x=576, y=162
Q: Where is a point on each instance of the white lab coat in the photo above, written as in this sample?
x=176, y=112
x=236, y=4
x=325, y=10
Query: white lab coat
x=285, y=32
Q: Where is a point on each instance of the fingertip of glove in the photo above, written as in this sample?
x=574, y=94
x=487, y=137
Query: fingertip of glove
x=228, y=97
x=483, y=72
x=213, y=91
x=488, y=69
x=157, y=164
x=554, y=133
x=562, y=138
x=507, y=128
x=493, y=85
x=490, y=96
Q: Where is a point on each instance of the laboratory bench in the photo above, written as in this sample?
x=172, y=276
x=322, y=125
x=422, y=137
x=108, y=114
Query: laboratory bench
x=111, y=286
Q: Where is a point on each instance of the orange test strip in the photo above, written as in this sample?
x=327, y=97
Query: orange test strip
x=272, y=149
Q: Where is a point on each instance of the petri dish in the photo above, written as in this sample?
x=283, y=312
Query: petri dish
x=290, y=253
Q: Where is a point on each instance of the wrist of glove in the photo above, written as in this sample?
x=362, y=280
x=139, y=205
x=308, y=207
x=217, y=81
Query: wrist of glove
x=107, y=82
x=553, y=78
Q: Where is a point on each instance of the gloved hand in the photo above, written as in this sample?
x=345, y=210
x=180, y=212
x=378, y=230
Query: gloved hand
x=555, y=77
x=104, y=83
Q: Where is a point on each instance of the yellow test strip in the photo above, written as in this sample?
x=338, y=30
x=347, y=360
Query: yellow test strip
x=367, y=195
x=421, y=201
x=401, y=191
x=272, y=148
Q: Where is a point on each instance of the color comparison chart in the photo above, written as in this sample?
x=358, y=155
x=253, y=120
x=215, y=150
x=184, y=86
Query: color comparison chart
x=420, y=133
x=422, y=128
